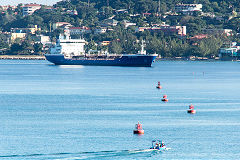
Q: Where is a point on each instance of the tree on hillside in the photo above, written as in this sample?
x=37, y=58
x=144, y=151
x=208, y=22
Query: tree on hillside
x=234, y=24
x=3, y=41
x=38, y=47
x=15, y=48
x=115, y=47
x=91, y=46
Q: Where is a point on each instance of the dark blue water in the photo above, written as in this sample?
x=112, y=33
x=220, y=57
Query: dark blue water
x=52, y=112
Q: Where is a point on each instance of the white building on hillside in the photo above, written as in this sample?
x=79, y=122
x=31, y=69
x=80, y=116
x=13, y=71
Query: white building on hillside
x=79, y=30
x=29, y=9
x=44, y=39
x=126, y=23
x=188, y=7
x=18, y=35
x=178, y=30
x=61, y=24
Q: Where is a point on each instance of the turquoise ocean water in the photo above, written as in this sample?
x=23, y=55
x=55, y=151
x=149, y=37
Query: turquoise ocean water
x=50, y=112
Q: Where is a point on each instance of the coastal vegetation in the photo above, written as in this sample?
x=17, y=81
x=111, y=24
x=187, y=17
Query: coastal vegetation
x=126, y=40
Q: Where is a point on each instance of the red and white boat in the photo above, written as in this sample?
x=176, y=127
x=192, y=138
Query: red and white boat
x=138, y=129
x=165, y=98
x=159, y=86
x=191, y=109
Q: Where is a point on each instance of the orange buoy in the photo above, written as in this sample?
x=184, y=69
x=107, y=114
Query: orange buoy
x=165, y=98
x=191, y=109
x=138, y=129
x=159, y=86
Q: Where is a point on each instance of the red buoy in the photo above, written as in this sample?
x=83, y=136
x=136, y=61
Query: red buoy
x=191, y=109
x=159, y=86
x=138, y=129
x=165, y=98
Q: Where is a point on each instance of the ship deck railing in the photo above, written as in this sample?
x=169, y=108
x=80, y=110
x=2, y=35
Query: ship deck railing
x=91, y=58
x=95, y=57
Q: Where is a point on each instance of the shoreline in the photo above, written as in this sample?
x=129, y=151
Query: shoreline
x=22, y=57
x=187, y=59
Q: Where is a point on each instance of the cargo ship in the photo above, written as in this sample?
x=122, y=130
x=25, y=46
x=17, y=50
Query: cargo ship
x=69, y=51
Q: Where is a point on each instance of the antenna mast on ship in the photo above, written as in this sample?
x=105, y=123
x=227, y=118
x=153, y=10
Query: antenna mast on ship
x=142, y=51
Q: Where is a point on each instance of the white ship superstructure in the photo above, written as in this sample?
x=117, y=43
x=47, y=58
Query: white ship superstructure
x=68, y=47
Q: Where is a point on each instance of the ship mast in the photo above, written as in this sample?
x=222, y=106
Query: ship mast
x=142, y=51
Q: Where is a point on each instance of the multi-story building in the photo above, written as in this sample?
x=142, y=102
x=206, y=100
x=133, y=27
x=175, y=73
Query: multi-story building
x=18, y=35
x=31, y=30
x=179, y=30
x=21, y=33
x=43, y=39
x=227, y=32
x=188, y=7
x=79, y=30
x=61, y=24
x=29, y=9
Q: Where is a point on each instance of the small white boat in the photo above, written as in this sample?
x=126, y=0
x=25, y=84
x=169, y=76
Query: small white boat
x=158, y=145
